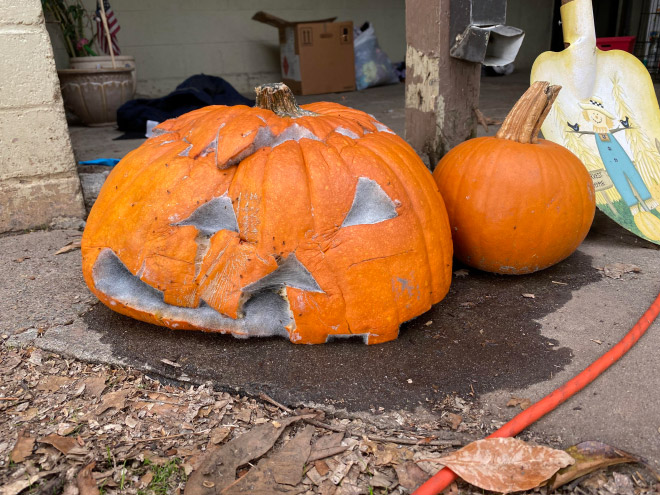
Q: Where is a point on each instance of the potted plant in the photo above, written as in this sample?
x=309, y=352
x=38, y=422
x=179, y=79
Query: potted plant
x=94, y=86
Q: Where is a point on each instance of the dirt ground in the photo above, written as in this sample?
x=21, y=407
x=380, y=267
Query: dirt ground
x=74, y=427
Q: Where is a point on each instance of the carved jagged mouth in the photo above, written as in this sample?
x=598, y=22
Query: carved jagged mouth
x=266, y=312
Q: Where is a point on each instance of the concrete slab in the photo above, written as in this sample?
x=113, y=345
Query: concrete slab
x=485, y=341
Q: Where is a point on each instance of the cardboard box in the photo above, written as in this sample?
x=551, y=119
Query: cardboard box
x=315, y=56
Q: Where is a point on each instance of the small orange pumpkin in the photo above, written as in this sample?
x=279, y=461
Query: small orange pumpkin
x=516, y=203
x=307, y=222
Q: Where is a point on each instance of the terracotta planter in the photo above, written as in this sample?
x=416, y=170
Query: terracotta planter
x=95, y=95
x=105, y=62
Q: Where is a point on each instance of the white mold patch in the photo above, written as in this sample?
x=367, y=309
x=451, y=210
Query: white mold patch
x=370, y=205
x=265, y=313
x=346, y=132
x=382, y=127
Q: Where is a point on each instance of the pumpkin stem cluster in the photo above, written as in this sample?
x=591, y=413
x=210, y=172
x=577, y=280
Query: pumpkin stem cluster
x=525, y=119
x=279, y=99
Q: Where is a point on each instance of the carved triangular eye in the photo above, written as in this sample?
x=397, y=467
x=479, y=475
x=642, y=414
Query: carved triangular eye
x=213, y=216
x=370, y=205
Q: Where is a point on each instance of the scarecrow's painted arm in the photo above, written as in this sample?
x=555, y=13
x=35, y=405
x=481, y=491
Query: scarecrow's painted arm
x=624, y=123
x=576, y=129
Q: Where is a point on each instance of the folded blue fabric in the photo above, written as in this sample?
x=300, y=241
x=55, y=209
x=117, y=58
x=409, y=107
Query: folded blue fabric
x=110, y=162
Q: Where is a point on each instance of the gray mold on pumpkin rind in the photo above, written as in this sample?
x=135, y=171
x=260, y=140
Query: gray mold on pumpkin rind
x=266, y=139
x=290, y=273
x=370, y=205
x=265, y=313
x=213, y=216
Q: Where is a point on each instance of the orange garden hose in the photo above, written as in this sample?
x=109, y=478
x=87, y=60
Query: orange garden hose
x=443, y=478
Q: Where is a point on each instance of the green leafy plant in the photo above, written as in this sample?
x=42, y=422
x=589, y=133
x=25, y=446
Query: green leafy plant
x=75, y=23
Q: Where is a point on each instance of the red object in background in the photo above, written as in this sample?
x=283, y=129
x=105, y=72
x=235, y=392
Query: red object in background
x=625, y=43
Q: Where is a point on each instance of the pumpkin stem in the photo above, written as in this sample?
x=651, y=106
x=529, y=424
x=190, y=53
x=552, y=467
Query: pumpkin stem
x=279, y=99
x=524, y=121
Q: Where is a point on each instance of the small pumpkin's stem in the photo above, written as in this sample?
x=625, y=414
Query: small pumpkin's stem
x=278, y=98
x=524, y=121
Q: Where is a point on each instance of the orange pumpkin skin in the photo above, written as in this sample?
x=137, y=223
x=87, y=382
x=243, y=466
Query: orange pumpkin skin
x=288, y=254
x=515, y=208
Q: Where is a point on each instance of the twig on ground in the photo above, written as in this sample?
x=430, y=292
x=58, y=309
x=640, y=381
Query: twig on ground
x=374, y=438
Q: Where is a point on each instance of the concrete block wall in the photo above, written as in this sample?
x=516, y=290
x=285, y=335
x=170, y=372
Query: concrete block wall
x=38, y=179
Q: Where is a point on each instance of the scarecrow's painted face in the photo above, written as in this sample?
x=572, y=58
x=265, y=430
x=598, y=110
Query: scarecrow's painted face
x=596, y=117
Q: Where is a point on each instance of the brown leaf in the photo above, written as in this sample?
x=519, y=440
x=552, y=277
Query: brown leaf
x=52, y=383
x=321, y=468
x=280, y=471
x=94, y=386
x=455, y=420
x=63, y=444
x=115, y=400
x=219, y=434
x=75, y=244
x=218, y=466
x=288, y=464
x=23, y=447
x=410, y=475
x=16, y=487
x=326, y=446
x=506, y=464
x=517, y=401
x=85, y=481
x=616, y=270
x=589, y=456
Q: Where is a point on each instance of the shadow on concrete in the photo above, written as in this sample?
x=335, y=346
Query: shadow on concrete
x=482, y=337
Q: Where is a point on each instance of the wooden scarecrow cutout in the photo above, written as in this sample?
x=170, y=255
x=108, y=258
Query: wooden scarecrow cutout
x=607, y=114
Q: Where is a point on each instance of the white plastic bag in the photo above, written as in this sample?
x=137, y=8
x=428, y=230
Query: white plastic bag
x=372, y=65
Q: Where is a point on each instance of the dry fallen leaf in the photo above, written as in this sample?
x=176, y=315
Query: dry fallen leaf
x=85, y=481
x=63, y=444
x=219, y=464
x=94, y=385
x=23, y=447
x=75, y=244
x=506, y=465
x=461, y=273
x=616, y=270
x=410, y=475
x=115, y=400
x=455, y=420
x=589, y=456
x=52, y=383
x=517, y=401
x=16, y=487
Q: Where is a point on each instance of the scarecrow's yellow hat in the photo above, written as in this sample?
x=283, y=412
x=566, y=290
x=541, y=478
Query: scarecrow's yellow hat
x=596, y=104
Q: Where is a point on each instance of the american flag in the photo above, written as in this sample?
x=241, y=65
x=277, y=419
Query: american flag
x=113, y=27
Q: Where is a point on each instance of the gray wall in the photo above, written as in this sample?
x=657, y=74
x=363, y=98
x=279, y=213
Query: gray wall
x=173, y=39
x=535, y=18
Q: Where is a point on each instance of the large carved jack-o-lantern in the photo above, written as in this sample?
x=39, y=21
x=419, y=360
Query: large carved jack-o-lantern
x=307, y=222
